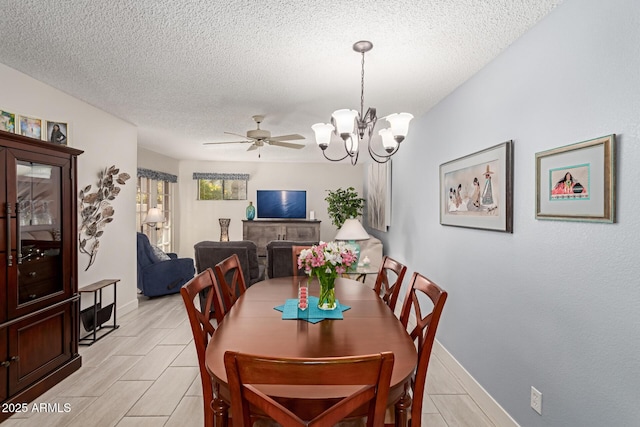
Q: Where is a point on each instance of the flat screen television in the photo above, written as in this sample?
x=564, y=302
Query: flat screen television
x=282, y=204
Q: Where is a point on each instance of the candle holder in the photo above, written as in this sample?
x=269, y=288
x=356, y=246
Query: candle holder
x=224, y=229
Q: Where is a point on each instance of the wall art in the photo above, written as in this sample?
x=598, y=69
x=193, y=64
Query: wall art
x=577, y=182
x=7, y=121
x=57, y=133
x=96, y=210
x=379, y=196
x=30, y=126
x=476, y=191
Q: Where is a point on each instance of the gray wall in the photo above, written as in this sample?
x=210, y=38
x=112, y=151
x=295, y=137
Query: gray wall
x=556, y=304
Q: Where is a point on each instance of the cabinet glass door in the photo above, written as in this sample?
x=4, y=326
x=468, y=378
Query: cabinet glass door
x=38, y=213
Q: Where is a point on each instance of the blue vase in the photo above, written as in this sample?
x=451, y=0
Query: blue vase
x=251, y=211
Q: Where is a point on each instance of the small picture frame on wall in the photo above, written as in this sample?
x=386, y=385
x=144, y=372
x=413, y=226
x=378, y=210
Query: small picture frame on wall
x=476, y=191
x=7, y=121
x=57, y=133
x=576, y=182
x=30, y=126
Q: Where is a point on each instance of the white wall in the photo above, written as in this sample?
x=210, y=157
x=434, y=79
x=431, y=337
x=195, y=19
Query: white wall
x=158, y=162
x=152, y=160
x=200, y=218
x=106, y=140
x=555, y=305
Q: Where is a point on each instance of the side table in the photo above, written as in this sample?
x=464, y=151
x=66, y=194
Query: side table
x=94, y=317
x=360, y=273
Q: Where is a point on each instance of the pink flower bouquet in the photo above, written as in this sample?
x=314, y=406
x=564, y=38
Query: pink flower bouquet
x=326, y=261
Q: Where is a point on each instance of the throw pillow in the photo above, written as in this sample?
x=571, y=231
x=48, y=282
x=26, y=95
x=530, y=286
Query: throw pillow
x=159, y=254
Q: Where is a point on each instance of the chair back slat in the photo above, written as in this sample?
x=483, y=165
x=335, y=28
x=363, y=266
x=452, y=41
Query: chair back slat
x=231, y=280
x=423, y=333
x=386, y=289
x=202, y=328
x=371, y=374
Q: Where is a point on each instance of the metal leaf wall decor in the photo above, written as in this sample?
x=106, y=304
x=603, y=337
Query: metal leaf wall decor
x=96, y=210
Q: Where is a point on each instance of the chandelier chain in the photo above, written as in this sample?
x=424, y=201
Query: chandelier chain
x=362, y=89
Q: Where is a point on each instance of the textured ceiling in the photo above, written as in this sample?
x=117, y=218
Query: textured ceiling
x=185, y=71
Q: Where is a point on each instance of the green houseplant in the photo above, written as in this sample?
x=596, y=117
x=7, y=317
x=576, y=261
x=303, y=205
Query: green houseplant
x=344, y=204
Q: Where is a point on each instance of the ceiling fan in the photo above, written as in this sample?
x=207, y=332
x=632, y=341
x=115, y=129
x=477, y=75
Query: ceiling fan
x=259, y=137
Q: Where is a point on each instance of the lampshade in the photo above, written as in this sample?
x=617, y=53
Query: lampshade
x=323, y=133
x=352, y=144
x=399, y=124
x=352, y=230
x=388, y=142
x=154, y=216
x=345, y=121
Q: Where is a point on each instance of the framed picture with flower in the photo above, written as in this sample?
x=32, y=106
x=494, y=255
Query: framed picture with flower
x=576, y=182
x=7, y=121
x=476, y=191
x=30, y=126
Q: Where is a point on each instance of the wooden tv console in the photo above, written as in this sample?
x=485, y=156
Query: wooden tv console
x=262, y=231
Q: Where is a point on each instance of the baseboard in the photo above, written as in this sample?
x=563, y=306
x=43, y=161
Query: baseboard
x=489, y=406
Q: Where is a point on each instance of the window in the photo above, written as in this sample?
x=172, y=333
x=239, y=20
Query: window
x=222, y=189
x=155, y=193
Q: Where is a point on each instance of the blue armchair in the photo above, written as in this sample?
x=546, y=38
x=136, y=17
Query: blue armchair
x=156, y=277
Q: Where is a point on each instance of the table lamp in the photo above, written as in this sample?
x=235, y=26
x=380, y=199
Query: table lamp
x=154, y=216
x=352, y=231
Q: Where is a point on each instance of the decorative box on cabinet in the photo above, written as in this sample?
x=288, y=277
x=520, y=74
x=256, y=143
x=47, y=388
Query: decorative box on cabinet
x=262, y=231
x=39, y=301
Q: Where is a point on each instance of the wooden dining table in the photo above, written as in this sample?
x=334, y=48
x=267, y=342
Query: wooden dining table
x=254, y=326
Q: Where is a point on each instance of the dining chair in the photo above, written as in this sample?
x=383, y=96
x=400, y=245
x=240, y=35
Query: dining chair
x=423, y=333
x=279, y=257
x=231, y=281
x=246, y=374
x=202, y=328
x=295, y=253
x=387, y=290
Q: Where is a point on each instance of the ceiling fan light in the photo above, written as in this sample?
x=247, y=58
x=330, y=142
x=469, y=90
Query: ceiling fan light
x=399, y=124
x=344, y=121
x=323, y=134
x=388, y=142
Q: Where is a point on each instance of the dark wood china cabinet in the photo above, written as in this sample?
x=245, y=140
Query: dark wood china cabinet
x=39, y=301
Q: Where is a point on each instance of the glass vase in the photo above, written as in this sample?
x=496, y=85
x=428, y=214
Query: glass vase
x=327, y=298
x=251, y=211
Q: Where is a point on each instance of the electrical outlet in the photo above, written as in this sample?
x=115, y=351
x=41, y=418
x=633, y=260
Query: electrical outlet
x=536, y=400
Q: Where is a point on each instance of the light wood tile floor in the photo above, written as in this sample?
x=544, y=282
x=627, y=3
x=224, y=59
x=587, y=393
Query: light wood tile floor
x=145, y=374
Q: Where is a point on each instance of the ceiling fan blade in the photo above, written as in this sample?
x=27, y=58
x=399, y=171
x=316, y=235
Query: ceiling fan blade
x=291, y=137
x=237, y=134
x=227, y=142
x=252, y=147
x=285, y=144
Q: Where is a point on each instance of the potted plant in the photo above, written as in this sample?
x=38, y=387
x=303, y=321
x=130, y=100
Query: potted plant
x=344, y=204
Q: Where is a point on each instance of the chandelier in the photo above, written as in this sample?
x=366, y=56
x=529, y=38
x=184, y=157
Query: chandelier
x=353, y=126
